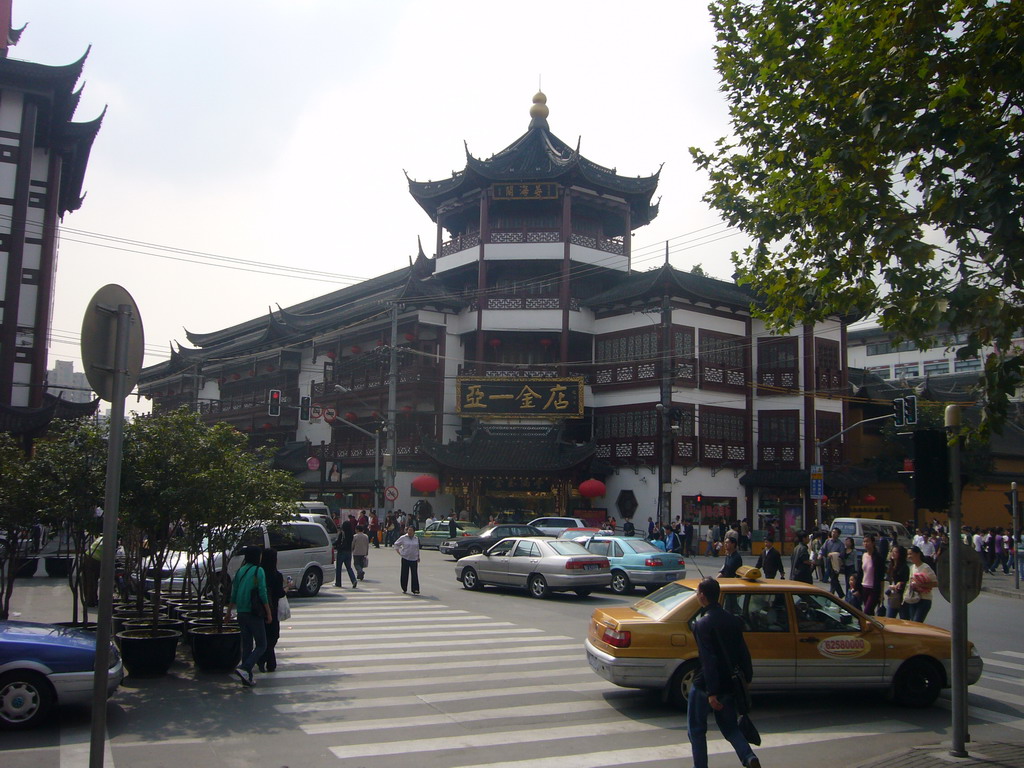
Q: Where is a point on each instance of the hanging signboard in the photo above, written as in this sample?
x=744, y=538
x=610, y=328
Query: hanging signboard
x=520, y=398
x=544, y=190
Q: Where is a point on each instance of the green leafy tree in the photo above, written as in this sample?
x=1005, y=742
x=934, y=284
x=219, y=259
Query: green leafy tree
x=875, y=161
x=17, y=515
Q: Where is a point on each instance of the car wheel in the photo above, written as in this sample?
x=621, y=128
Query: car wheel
x=539, y=586
x=917, y=683
x=681, y=683
x=25, y=699
x=583, y=592
x=310, y=584
x=476, y=549
x=470, y=580
x=621, y=585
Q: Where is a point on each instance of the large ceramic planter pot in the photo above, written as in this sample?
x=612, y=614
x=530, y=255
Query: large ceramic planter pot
x=121, y=616
x=178, y=606
x=162, y=623
x=58, y=567
x=88, y=626
x=148, y=652
x=26, y=568
x=216, y=650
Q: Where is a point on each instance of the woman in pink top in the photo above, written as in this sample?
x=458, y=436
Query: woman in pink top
x=871, y=575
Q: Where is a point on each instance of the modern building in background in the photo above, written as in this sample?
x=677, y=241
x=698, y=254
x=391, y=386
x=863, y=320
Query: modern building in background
x=64, y=381
x=527, y=355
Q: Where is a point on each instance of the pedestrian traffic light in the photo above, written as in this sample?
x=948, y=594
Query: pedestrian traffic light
x=274, y=403
x=304, y=403
x=910, y=409
x=899, y=411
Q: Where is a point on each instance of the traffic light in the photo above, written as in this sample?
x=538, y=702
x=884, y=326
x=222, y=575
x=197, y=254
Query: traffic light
x=910, y=409
x=899, y=411
x=931, y=469
x=274, y=403
x=304, y=403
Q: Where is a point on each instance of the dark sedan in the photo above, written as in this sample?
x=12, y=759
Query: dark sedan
x=474, y=545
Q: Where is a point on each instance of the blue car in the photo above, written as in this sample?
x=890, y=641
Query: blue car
x=45, y=665
x=636, y=563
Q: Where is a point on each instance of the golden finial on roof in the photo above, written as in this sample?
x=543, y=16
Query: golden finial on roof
x=539, y=108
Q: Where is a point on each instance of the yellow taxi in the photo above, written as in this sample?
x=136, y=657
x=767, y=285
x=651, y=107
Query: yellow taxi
x=799, y=635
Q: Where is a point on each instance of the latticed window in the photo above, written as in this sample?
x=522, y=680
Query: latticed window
x=683, y=343
x=722, y=425
x=778, y=426
x=826, y=353
x=632, y=347
x=778, y=352
x=828, y=424
x=723, y=349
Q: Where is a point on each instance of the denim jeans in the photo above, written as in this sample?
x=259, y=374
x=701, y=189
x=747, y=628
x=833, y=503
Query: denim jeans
x=919, y=611
x=254, y=638
x=697, y=727
x=344, y=559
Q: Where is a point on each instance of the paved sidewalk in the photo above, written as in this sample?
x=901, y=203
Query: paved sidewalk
x=1003, y=584
x=993, y=754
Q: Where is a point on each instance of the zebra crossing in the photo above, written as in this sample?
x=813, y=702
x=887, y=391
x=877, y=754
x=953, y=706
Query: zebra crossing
x=379, y=679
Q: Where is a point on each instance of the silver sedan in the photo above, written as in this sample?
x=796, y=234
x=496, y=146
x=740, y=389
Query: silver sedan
x=540, y=565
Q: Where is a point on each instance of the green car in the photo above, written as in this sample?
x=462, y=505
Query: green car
x=438, y=531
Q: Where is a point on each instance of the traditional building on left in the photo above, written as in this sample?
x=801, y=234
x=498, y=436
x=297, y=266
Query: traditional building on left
x=43, y=157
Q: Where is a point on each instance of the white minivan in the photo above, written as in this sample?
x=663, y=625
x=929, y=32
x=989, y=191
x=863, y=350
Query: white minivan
x=856, y=527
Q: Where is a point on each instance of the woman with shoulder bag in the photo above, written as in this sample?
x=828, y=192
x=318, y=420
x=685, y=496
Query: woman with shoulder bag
x=921, y=582
x=898, y=572
x=275, y=589
x=251, y=603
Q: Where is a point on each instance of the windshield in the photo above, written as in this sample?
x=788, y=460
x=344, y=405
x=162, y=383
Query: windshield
x=846, y=529
x=662, y=602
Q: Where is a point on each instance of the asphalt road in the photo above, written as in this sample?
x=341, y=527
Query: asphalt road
x=374, y=678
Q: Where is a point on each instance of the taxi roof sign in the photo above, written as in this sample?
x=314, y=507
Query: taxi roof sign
x=748, y=573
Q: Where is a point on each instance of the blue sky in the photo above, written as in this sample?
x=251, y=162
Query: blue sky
x=278, y=132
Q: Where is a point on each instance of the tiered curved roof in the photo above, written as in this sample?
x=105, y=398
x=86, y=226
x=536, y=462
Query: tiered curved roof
x=539, y=155
x=642, y=287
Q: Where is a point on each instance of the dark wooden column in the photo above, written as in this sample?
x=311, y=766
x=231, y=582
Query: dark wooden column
x=481, y=279
x=16, y=253
x=564, y=292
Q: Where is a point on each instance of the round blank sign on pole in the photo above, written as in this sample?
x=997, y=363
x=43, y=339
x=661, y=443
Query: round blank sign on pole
x=99, y=338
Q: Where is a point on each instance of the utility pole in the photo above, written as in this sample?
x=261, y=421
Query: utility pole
x=664, y=407
x=957, y=597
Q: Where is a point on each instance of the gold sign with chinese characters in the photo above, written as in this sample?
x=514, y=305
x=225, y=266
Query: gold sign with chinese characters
x=520, y=398
x=538, y=190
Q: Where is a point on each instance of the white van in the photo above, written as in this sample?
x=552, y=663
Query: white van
x=856, y=527
x=317, y=512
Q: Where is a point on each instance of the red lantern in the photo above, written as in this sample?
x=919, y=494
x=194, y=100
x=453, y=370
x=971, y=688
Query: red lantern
x=270, y=369
x=350, y=416
x=380, y=342
x=267, y=425
x=331, y=355
x=870, y=499
x=252, y=371
x=591, y=489
x=236, y=376
x=221, y=380
x=495, y=343
x=375, y=414
x=410, y=337
x=426, y=484
x=356, y=349
x=545, y=342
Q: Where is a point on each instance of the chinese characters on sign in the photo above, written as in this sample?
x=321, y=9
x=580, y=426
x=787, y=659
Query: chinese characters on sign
x=525, y=191
x=521, y=398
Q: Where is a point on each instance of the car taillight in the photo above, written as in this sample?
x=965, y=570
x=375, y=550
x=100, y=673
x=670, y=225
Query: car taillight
x=618, y=638
x=464, y=534
x=582, y=565
x=653, y=562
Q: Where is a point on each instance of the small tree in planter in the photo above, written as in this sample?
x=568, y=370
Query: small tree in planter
x=68, y=468
x=17, y=514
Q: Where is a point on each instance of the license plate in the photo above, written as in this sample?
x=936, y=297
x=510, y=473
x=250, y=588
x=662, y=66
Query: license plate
x=591, y=567
x=671, y=576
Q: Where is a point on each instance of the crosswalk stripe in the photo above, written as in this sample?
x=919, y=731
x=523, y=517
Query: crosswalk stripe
x=389, y=609
x=1014, y=654
x=571, y=733
x=362, y=621
x=473, y=641
x=1003, y=664
x=1000, y=696
x=403, y=624
x=450, y=696
x=681, y=751
x=344, y=681
x=989, y=715
x=476, y=631
x=360, y=658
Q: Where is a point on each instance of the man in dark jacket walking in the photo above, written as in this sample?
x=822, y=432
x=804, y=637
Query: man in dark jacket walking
x=770, y=561
x=733, y=559
x=720, y=644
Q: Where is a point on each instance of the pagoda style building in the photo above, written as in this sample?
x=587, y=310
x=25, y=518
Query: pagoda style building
x=43, y=157
x=527, y=355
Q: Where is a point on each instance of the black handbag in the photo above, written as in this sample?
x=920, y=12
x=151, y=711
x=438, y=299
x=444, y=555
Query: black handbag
x=749, y=730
